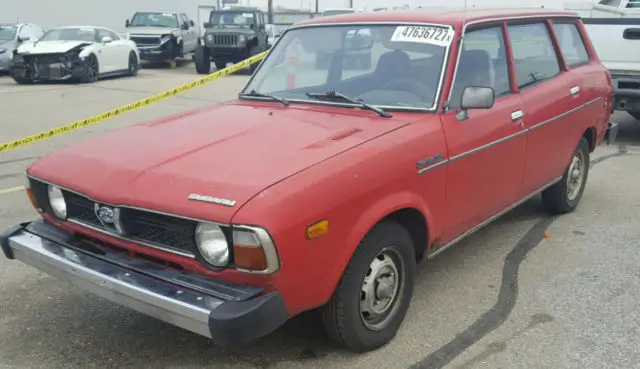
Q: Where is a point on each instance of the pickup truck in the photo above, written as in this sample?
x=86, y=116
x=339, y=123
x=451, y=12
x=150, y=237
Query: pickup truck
x=614, y=29
x=163, y=36
x=324, y=188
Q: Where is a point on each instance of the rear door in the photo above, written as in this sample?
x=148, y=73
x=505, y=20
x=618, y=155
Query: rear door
x=487, y=150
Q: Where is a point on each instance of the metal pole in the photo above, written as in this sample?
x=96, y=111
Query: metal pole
x=350, y=4
x=270, y=10
x=317, y=6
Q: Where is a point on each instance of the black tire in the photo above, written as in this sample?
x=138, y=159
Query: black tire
x=91, y=69
x=635, y=115
x=21, y=80
x=202, y=60
x=564, y=196
x=343, y=315
x=253, y=51
x=220, y=65
x=134, y=64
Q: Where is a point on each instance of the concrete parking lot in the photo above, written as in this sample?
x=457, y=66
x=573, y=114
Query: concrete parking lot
x=529, y=291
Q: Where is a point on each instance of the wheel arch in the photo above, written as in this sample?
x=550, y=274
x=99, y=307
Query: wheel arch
x=406, y=208
x=590, y=134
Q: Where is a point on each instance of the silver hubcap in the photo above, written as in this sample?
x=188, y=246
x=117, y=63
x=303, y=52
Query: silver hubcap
x=381, y=289
x=575, y=175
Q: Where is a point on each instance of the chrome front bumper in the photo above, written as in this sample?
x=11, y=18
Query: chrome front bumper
x=226, y=313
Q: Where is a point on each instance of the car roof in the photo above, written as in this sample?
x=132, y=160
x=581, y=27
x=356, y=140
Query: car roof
x=451, y=16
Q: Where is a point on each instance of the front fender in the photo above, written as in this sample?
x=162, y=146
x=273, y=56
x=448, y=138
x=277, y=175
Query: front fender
x=370, y=217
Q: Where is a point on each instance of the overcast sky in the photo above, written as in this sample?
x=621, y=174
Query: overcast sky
x=370, y=4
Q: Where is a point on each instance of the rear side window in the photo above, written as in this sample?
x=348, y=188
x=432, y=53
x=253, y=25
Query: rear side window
x=571, y=44
x=533, y=53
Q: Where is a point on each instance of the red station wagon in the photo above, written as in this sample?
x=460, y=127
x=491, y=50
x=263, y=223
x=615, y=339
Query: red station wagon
x=361, y=145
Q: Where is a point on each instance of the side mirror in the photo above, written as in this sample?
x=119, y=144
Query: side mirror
x=185, y=26
x=474, y=97
x=106, y=40
x=191, y=23
x=24, y=38
x=252, y=26
x=127, y=23
x=206, y=25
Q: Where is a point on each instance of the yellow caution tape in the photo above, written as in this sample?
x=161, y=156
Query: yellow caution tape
x=129, y=107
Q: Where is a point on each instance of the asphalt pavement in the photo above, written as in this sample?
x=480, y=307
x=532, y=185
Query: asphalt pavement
x=528, y=291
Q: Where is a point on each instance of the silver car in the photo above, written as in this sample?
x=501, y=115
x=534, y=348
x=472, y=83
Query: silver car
x=11, y=36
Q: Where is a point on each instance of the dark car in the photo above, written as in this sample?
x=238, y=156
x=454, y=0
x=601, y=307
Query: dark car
x=232, y=35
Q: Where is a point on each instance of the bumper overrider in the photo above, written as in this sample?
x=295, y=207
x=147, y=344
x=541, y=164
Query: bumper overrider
x=227, y=313
x=52, y=67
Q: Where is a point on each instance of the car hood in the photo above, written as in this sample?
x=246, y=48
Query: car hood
x=156, y=31
x=231, y=151
x=48, y=47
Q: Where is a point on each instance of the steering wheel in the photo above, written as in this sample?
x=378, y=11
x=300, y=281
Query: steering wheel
x=410, y=85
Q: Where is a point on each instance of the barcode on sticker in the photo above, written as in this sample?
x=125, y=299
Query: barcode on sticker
x=423, y=34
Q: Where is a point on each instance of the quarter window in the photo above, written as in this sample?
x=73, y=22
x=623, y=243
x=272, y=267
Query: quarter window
x=534, y=56
x=571, y=43
x=483, y=63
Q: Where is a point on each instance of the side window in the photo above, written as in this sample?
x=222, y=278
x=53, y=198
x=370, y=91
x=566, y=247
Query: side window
x=184, y=19
x=533, y=53
x=615, y=3
x=633, y=4
x=37, y=31
x=25, y=32
x=483, y=63
x=571, y=43
x=102, y=33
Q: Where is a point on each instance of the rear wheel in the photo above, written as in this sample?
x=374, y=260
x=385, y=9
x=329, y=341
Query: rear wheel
x=202, y=60
x=374, y=293
x=252, y=52
x=134, y=65
x=635, y=114
x=564, y=196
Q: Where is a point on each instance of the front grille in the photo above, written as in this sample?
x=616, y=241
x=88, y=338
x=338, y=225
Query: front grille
x=146, y=41
x=225, y=40
x=139, y=226
x=44, y=58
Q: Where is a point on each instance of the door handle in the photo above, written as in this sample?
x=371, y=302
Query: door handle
x=574, y=90
x=518, y=114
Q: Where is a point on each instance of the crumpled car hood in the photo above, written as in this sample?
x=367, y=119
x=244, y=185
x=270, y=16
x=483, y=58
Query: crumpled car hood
x=155, y=31
x=49, y=47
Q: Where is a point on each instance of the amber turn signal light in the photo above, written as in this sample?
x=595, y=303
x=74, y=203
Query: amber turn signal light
x=317, y=229
x=248, y=252
x=31, y=196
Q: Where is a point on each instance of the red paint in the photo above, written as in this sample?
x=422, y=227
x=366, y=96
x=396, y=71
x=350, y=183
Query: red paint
x=289, y=167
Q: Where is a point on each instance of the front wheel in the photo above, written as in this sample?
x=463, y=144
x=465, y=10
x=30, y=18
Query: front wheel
x=202, y=60
x=374, y=293
x=564, y=196
x=91, y=69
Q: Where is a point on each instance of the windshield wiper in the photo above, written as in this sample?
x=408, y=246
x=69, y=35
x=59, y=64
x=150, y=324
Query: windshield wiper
x=362, y=104
x=255, y=93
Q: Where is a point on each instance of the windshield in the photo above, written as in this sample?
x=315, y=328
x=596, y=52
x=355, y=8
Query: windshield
x=169, y=20
x=69, y=34
x=337, y=12
x=392, y=66
x=8, y=33
x=232, y=19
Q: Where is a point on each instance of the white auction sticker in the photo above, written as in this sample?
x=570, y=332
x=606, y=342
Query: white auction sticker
x=423, y=34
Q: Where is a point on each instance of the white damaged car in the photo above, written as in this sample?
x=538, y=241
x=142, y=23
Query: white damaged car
x=79, y=53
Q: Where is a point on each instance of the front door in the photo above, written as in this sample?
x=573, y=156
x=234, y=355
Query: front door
x=487, y=150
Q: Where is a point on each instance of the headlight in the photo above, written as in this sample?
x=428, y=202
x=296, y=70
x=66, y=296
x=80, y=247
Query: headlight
x=2, y=50
x=212, y=244
x=241, y=39
x=57, y=203
x=210, y=37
